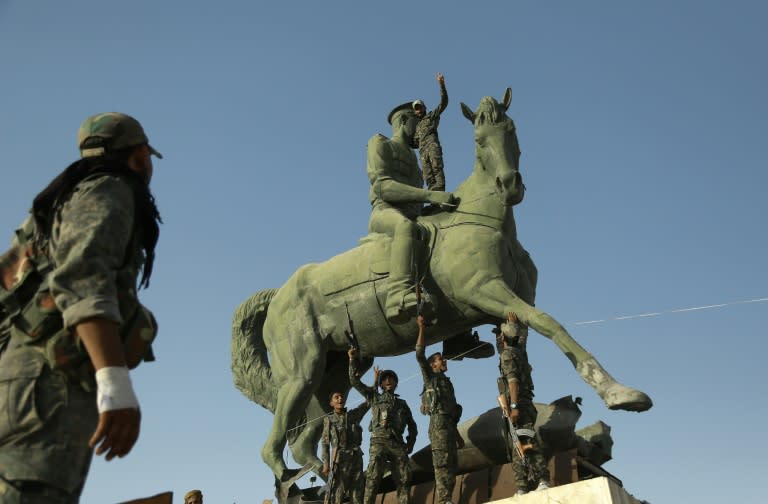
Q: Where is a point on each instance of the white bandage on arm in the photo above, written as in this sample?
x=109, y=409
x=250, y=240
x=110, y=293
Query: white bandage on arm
x=114, y=389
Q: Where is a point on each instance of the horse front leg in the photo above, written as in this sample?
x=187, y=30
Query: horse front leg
x=497, y=299
x=298, y=375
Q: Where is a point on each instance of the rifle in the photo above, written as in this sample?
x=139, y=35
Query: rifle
x=350, y=334
x=519, y=447
x=331, y=482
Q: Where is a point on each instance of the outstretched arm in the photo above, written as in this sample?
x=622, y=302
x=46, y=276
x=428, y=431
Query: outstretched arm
x=413, y=431
x=354, y=378
x=420, y=354
x=443, y=94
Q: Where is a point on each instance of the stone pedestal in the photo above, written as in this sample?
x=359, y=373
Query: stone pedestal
x=592, y=491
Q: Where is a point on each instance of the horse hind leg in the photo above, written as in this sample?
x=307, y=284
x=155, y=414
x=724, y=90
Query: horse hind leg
x=497, y=299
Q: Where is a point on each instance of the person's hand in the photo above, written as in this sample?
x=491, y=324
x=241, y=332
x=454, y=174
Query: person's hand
x=116, y=432
x=446, y=200
x=514, y=415
x=440, y=78
x=420, y=322
x=512, y=318
x=352, y=353
x=326, y=470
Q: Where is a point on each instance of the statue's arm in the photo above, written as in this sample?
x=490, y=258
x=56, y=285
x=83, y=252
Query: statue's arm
x=380, y=163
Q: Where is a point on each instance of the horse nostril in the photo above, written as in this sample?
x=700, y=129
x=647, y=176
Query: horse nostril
x=499, y=185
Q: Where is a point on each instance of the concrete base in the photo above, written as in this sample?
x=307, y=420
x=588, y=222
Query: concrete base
x=592, y=491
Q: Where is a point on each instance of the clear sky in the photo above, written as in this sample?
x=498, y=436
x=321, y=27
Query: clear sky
x=642, y=126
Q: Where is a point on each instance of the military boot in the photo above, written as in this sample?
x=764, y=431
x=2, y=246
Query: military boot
x=467, y=344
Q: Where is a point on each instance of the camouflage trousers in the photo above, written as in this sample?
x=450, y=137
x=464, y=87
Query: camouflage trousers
x=442, y=436
x=385, y=451
x=44, y=431
x=534, y=470
x=431, y=157
x=348, y=477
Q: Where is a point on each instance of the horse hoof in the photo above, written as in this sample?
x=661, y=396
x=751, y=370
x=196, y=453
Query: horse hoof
x=620, y=397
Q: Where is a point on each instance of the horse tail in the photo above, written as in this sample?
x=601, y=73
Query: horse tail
x=251, y=371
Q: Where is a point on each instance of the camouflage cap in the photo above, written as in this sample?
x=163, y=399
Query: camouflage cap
x=418, y=103
x=117, y=131
x=403, y=106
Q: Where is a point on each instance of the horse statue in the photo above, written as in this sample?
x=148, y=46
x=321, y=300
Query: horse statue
x=289, y=348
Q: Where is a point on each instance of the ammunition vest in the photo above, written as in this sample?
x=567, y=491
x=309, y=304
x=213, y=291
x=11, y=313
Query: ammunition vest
x=29, y=315
x=438, y=396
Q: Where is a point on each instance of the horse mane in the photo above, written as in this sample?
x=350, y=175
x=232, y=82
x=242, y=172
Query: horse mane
x=490, y=111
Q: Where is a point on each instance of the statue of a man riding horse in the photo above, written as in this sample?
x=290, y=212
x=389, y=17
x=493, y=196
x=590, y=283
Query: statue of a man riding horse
x=289, y=344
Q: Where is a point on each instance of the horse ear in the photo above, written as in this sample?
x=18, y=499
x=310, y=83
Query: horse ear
x=507, y=100
x=468, y=113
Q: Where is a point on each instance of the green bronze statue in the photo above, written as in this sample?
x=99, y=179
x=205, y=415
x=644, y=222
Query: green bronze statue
x=289, y=348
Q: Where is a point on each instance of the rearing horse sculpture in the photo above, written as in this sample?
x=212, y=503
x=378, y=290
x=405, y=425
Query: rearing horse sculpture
x=289, y=346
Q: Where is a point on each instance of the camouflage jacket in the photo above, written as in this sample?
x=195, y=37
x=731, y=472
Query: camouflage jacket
x=390, y=415
x=426, y=129
x=514, y=366
x=95, y=259
x=438, y=397
x=342, y=431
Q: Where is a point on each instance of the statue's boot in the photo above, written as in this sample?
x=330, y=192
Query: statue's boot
x=402, y=302
x=615, y=395
x=467, y=344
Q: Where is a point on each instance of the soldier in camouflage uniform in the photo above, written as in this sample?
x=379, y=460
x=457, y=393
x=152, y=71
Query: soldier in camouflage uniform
x=64, y=371
x=341, y=453
x=439, y=402
x=427, y=140
x=390, y=416
x=515, y=370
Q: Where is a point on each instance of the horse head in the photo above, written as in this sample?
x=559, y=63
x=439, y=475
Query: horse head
x=497, y=152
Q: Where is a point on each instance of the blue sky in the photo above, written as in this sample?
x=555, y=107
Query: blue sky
x=642, y=127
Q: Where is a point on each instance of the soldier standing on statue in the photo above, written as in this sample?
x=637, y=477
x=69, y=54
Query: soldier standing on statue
x=439, y=402
x=390, y=416
x=517, y=405
x=427, y=141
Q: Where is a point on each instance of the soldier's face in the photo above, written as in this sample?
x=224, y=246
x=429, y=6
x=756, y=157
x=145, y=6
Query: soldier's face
x=194, y=499
x=419, y=111
x=388, y=384
x=337, y=401
x=439, y=364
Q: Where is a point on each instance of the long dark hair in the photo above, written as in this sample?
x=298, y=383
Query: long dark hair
x=146, y=218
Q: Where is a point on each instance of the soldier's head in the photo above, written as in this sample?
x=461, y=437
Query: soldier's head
x=193, y=497
x=388, y=380
x=510, y=334
x=438, y=363
x=337, y=401
x=419, y=108
x=117, y=136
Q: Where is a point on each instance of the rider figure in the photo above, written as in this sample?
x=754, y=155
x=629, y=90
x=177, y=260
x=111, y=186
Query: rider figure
x=397, y=197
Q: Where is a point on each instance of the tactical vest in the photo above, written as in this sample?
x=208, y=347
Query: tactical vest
x=29, y=315
x=387, y=417
x=438, y=396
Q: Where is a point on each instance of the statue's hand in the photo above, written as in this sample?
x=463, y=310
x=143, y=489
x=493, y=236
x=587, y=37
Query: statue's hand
x=446, y=200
